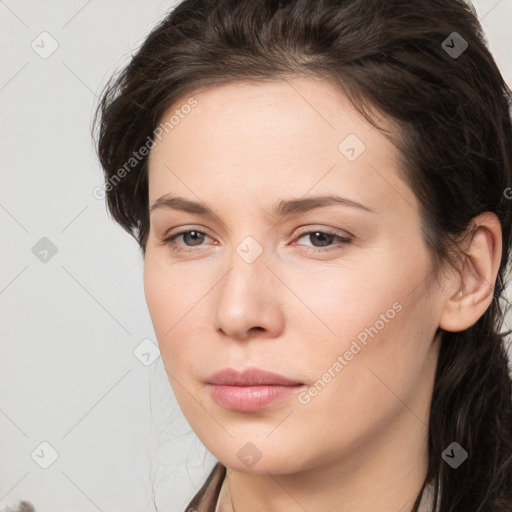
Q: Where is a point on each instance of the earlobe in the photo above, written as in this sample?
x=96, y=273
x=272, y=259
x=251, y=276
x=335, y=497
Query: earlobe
x=470, y=295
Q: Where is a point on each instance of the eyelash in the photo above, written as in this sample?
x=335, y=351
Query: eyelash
x=342, y=240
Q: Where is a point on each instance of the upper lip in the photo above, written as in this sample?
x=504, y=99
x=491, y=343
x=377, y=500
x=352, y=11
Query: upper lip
x=249, y=377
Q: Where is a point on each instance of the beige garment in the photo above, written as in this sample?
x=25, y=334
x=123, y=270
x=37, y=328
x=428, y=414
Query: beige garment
x=427, y=499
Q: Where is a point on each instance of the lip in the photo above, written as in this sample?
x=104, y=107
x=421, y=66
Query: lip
x=249, y=377
x=250, y=390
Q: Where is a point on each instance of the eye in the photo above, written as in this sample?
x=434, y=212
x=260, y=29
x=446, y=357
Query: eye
x=325, y=239
x=196, y=237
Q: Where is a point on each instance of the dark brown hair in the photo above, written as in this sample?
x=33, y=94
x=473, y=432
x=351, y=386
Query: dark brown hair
x=424, y=66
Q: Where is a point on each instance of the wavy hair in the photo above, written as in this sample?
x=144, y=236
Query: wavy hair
x=424, y=66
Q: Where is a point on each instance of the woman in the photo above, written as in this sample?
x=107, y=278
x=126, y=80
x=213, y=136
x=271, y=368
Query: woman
x=322, y=194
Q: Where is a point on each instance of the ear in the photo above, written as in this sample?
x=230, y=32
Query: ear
x=470, y=293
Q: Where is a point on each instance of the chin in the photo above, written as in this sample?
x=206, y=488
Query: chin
x=250, y=458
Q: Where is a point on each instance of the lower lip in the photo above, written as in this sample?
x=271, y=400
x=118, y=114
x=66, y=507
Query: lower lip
x=250, y=398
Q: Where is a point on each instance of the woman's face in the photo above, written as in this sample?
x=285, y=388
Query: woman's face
x=263, y=281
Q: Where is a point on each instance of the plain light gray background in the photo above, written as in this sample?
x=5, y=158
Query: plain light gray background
x=69, y=326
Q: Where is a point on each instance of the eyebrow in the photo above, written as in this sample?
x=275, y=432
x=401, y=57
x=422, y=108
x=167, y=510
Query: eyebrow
x=281, y=208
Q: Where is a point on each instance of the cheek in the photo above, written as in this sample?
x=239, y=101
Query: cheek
x=356, y=397
x=165, y=297
x=335, y=305
x=376, y=324
x=175, y=297
x=158, y=290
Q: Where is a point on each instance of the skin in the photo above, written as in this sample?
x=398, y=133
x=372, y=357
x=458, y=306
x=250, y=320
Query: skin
x=360, y=444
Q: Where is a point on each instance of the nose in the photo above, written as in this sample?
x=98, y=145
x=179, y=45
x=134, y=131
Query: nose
x=249, y=301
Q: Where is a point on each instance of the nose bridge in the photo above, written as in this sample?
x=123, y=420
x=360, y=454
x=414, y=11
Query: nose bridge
x=248, y=275
x=247, y=296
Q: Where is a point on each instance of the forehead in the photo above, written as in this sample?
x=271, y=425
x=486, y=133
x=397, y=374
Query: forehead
x=293, y=136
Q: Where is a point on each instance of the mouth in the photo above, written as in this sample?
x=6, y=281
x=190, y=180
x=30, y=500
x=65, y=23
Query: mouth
x=250, y=390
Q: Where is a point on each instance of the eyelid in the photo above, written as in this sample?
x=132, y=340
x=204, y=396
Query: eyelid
x=331, y=231
x=184, y=229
